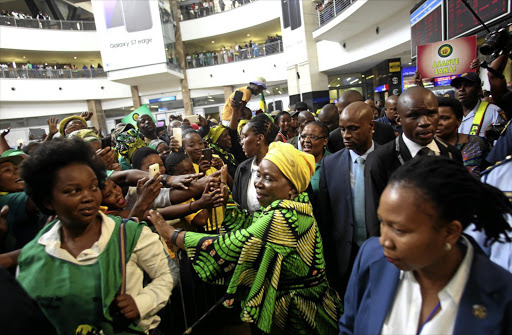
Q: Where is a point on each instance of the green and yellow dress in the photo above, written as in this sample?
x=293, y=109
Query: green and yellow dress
x=272, y=263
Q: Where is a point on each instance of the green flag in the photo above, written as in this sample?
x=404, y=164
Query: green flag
x=263, y=104
x=134, y=116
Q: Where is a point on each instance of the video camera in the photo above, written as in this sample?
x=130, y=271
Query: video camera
x=497, y=41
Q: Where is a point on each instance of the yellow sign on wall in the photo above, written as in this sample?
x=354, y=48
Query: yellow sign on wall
x=394, y=66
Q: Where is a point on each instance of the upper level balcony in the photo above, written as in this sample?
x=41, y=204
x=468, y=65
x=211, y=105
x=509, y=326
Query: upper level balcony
x=47, y=24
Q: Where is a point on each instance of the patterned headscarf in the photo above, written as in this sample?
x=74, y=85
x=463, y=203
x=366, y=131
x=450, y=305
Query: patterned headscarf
x=214, y=133
x=65, y=121
x=296, y=165
x=127, y=142
x=87, y=135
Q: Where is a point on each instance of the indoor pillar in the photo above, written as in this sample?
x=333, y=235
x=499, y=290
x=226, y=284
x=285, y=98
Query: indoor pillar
x=98, y=116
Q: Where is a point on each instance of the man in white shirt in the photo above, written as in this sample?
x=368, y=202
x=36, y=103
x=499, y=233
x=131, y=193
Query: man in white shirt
x=468, y=90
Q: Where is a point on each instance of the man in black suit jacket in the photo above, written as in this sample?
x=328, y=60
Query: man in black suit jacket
x=383, y=134
x=417, y=111
x=335, y=209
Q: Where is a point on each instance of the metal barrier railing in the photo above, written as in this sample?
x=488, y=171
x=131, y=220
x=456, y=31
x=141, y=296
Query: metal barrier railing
x=51, y=73
x=332, y=9
x=187, y=13
x=230, y=56
x=47, y=24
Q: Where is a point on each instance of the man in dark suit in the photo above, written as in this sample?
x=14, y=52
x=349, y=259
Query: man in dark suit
x=383, y=132
x=340, y=210
x=417, y=113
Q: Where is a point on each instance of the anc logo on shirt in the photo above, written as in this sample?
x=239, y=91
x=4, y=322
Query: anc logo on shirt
x=445, y=50
x=135, y=116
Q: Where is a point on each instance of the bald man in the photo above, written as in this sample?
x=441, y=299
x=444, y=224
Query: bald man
x=347, y=98
x=383, y=132
x=329, y=116
x=417, y=112
x=376, y=111
x=391, y=114
x=340, y=204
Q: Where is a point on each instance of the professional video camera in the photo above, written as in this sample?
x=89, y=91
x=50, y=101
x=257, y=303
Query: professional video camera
x=497, y=41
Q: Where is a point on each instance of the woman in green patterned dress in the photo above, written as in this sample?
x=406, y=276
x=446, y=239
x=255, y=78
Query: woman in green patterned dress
x=271, y=261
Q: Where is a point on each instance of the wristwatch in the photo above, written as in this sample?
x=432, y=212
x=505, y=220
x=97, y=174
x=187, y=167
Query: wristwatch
x=174, y=236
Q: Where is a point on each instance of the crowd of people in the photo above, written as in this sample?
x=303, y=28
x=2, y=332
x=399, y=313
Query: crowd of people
x=354, y=220
x=29, y=70
x=205, y=8
x=272, y=45
x=21, y=16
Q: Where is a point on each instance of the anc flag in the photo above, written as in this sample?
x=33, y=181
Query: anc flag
x=263, y=104
x=134, y=116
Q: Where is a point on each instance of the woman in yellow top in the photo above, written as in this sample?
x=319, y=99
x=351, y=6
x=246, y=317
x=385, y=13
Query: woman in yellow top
x=193, y=145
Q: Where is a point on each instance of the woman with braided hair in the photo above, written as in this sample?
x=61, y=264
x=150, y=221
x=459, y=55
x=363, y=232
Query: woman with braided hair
x=422, y=275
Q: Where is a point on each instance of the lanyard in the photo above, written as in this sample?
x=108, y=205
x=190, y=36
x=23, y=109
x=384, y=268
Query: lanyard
x=431, y=315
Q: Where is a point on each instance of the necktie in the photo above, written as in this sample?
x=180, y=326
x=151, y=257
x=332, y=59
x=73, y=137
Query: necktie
x=425, y=152
x=359, y=210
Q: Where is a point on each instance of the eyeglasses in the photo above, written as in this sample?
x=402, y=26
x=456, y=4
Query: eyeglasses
x=312, y=137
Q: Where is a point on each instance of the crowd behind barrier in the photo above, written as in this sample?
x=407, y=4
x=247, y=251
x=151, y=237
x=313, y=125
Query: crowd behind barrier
x=329, y=9
x=42, y=21
x=206, y=8
x=272, y=45
x=46, y=71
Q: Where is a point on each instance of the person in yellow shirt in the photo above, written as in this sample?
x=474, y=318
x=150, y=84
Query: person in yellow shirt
x=255, y=88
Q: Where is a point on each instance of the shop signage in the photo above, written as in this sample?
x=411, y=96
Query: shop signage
x=446, y=58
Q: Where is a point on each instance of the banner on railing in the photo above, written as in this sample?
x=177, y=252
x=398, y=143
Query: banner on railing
x=130, y=33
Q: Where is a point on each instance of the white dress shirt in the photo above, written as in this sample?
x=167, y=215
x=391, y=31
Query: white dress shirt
x=252, y=201
x=149, y=255
x=491, y=116
x=414, y=147
x=353, y=167
x=403, y=317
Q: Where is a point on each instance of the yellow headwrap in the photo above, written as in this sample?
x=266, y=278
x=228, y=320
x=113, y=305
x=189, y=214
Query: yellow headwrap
x=68, y=119
x=85, y=134
x=241, y=124
x=214, y=133
x=296, y=165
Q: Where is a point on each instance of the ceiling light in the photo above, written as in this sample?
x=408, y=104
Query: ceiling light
x=409, y=63
x=248, y=35
x=338, y=78
x=353, y=81
x=74, y=57
x=213, y=42
x=153, y=106
x=370, y=77
x=24, y=57
x=349, y=78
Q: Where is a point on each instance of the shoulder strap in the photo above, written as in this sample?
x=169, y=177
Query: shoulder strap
x=478, y=119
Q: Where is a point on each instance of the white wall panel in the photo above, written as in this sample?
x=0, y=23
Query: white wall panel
x=61, y=90
x=367, y=48
x=272, y=68
x=48, y=39
x=243, y=17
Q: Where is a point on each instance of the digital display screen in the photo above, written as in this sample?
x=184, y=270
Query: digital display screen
x=171, y=98
x=426, y=24
x=444, y=81
x=382, y=88
x=462, y=21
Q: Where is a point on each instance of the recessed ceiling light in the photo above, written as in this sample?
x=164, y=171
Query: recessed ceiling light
x=248, y=35
x=213, y=41
x=409, y=63
x=338, y=78
x=74, y=57
x=24, y=57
